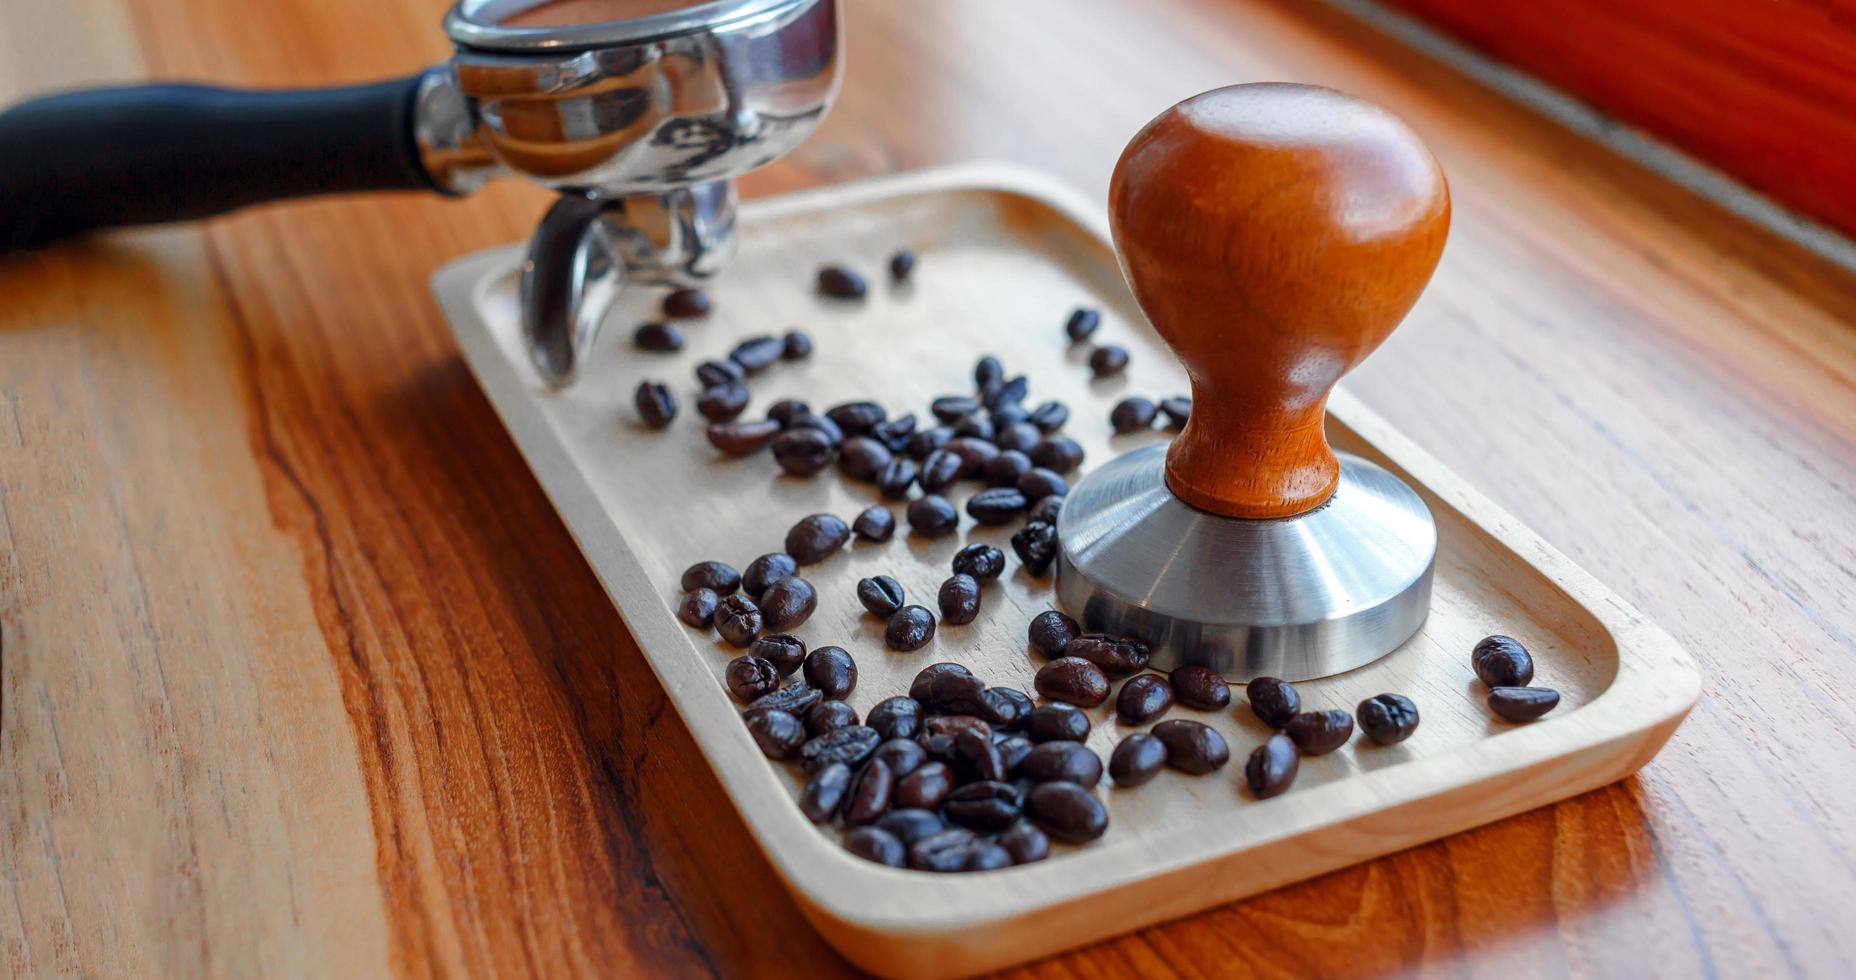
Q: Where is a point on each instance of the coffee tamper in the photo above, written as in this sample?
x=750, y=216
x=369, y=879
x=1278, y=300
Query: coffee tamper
x=1274, y=234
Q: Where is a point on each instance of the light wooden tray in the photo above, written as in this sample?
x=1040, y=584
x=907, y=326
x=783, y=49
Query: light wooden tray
x=1004, y=256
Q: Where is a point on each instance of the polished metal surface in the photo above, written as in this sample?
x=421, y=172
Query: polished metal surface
x=444, y=128
x=480, y=24
x=1297, y=598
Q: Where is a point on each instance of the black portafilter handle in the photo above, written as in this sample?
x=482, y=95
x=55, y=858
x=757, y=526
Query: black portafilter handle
x=147, y=154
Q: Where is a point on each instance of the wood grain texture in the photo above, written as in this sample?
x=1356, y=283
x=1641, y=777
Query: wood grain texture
x=467, y=766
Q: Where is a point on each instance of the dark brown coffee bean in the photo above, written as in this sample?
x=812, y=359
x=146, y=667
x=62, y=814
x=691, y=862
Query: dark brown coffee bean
x=1066, y=811
x=1082, y=324
x=1133, y=414
x=658, y=337
x=996, y=505
x=984, y=806
x=1045, y=511
x=1273, y=701
x=723, y=402
x=816, y=538
x=825, y=792
x=862, y=458
x=939, y=471
x=757, y=353
x=1118, y=656
x=881, y=595
x=827, y=716
x=952, y=408
x=870, y=791
x=1013, y=749
x=1200, y=687
x=1017, y=437
x=801, y=452
x=1177, y=411
x=926, y=788
x=1036, y=546
x=1010, y=392
x=1142, y=699
x=1038, y=483
x=959, y=600
x=896, y=478
x=850, y=745
x=922, y=688
x=1137, y=760
x=1050, y=633
x=838, y=282
x=1519, y=704
x=857, y=418
x=1319, y=732
x=737, y=618
x=932, y=516
x=910, y=824
x=1501, y=661
x=1108, y=360
x=901, y=265
x=1272, y=767
x=1073, y=680
x=1005, y=707
x=1057, y=722
x=1004, y=469
x=901, y=755
x=977, y=758
x=777, y=733
x=897, y=717
x=987, y=370
x=1060, y=454
x=946, y=851
x=1049, y=417
x=895, y=433
x=750, y=678
x=795, y=346
x=712, y=373
x=1387, y=718
x=698, y=608
x=655, y=404
x=923, y=443
x=1071, y=762
x=832, y=671
x=1006, y=416
x=875, y=524
x=1025, y=843
x=909, y=629
x=686, y=303
x=975, y=427
x=787, y=603
x=1192, y=747
x=794, y=699
x=784, y=651
x=825, y=427
x=876, y=845
x=766, y=570
x=982, y=561
x=974, y=454
x=986, y=856
x=739, y=438
x=940, y=731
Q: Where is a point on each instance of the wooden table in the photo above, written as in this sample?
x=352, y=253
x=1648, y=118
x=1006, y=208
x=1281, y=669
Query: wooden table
x=301, y=674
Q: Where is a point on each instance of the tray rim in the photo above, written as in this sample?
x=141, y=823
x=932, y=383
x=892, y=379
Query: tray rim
x=1655, y=685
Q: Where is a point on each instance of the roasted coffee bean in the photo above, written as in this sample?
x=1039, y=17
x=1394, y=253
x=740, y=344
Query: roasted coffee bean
x=909, y=629
x=1133, y=414
x=827, y=716
x=1012, y=392
x=816, y=538
x=1192, y=747
x=787, y=603
x=656, y=405
x=801, y=452
x=739, y=438
x=1082, y=324
x=1319, y=732
x=987, y=856
x=1200, y=687
x=870, y=791
x=1008, y=415
x=952, y=408
x=1025, y=843
x=902, y=755
x=686, y=303
x=824, y=426
x=1005, y=707
x=959, y=600
x=940, y=470
x=712, y=373
x=1387, y=718
x=1142, y=699
x=658, y=337
x=996, y=505
x=777, y=733
x=766, y=570
x=723, y=402
x=923, y=686
x=794, y=699
x=757, y=353
x=881, y=595
x=926, y=788
x=862, y=458
x=1045, y=511
x=910, y=824
x=738, y=619
x=832, y=671
x=698, y=608
x=850, y=745
x=838, y=282
x=983, y=806
x=1272, y=767
x=1501, y=661
x=783, y=650
x=1013, y=749
x=750, y=678
x=895, y=479
x=901, y=265
x=1058, y=453
x=1137, y=760
x=1050, y=416
x=977, y=758
x=1038, y=483
x=975, y=427
x=926, y=441
x=955, y=693
x=1520, y=704
x=1050, y=633
x=1057, y=722
x=987, y=370
x=876, y=845
x=795, y=346
x=1177, y=411
x=857, y=418
x=1118, y=656
x=1071, y=762
x=982, y=561
x=895, y=433
x=974, y=454
x=1016, y=437
x=875, y=524
x=1036, y=546
x=1066, y=811
x=825, y=792
x=932, y=516
x=1004, y=469
x=1072, y=680
x=897, y=717
x=1273, y=701
x=943, y=852
x=1108, y=360
x=940, y=731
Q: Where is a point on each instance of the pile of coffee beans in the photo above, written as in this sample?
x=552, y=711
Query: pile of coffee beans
x=1137, y=414
x=1506, y=668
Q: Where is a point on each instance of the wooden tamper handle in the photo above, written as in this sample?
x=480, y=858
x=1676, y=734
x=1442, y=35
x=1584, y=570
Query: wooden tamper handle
x=1274, y=234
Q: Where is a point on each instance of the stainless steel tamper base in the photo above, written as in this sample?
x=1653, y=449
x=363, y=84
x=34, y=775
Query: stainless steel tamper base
x=1297, y=597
